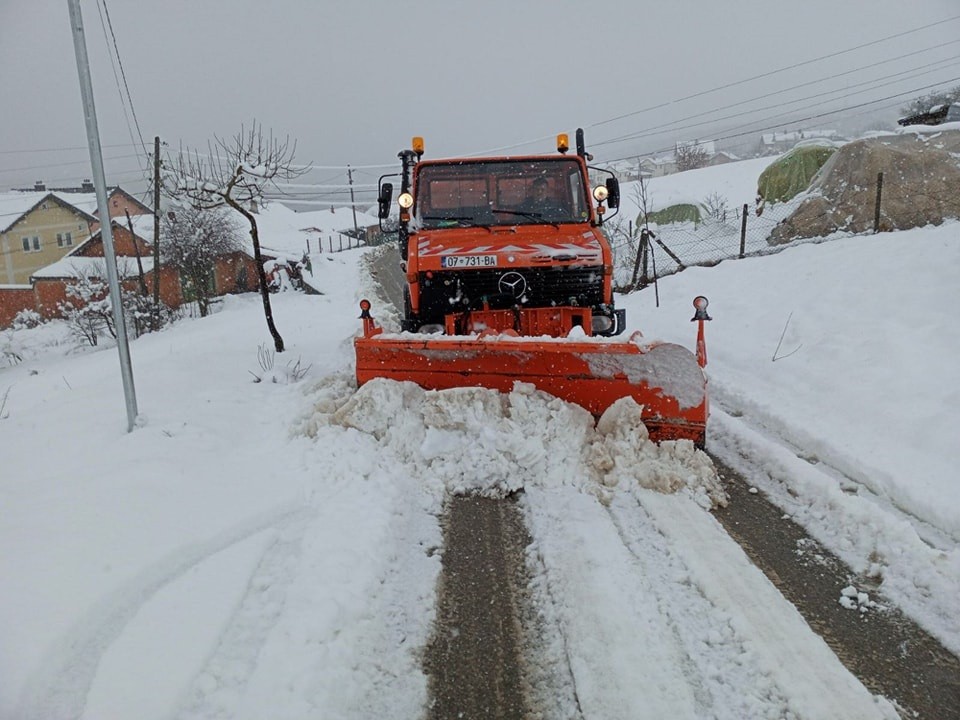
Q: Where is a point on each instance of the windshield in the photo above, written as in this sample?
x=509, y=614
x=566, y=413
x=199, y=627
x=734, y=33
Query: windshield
x=465, y=194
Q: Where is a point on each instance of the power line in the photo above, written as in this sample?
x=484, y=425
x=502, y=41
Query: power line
x=724, y=87
x=77, y=162
x=63, y=149
x=649, y=132
x=804, y=119
x=123, y=74
x=780, y=70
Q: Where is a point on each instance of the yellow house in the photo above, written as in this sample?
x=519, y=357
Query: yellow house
x=39, y=228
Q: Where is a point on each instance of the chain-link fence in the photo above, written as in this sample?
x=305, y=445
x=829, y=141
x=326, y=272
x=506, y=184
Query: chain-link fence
x=643, y=251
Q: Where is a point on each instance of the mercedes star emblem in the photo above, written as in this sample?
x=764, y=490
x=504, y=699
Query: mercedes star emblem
x=513, y=284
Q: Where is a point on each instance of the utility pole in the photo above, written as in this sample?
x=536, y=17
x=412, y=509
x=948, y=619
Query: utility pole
x=156, y=233
x=106, y=230
x=353, y=205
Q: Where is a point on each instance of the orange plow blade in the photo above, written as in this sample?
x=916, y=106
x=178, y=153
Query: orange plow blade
x=662, y=377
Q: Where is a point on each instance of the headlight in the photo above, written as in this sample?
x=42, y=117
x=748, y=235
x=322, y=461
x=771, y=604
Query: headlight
x=601, y=323
x=600, y=192
x=405, y=201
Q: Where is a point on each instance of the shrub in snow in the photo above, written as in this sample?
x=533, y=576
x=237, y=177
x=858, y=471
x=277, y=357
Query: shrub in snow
x=292, y=372
x=88, y=314
x=27, y=319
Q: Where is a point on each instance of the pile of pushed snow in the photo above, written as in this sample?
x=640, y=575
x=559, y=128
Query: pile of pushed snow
x=479, y=441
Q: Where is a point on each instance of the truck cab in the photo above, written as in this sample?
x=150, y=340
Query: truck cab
x=517, y=234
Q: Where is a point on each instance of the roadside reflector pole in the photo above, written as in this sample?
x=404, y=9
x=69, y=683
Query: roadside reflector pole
x=700, y=304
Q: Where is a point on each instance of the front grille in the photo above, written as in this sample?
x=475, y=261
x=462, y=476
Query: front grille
x=460, y=290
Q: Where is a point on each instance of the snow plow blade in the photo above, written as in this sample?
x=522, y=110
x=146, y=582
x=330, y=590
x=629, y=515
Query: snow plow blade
x=664, y=378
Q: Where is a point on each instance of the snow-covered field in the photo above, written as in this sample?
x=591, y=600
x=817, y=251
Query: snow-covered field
x=270, y=549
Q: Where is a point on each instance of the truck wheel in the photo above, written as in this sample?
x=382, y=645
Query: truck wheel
x=410, y=323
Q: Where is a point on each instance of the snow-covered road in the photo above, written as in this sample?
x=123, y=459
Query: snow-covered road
x=272, y=549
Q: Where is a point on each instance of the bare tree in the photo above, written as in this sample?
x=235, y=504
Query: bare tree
x=193, y=240
x=690, y=156
x=235, y=174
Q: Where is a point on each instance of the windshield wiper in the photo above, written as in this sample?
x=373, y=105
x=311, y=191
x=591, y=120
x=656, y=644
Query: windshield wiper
x=457, y=220
x=535, y=216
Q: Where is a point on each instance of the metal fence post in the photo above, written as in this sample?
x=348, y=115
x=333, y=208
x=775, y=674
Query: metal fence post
x=876, y=214
x=743, y=231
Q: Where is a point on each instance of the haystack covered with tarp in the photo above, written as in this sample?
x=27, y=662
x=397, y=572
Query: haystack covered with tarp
x=921, y=178
x=681, y=212
x=789, y=176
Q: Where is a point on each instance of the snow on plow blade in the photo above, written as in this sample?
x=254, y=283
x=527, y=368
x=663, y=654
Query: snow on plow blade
x=662, y=377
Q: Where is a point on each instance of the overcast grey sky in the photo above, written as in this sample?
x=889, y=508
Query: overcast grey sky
x=353, y=81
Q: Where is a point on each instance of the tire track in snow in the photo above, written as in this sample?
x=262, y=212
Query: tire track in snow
x=827, y=459
x=218, y=687
x=889, y=653
x=778, y=638
x=59, y=688
x=717, y=660
x=623, y=659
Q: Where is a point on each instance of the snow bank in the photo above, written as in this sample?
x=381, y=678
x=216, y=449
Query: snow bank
x=475, y=440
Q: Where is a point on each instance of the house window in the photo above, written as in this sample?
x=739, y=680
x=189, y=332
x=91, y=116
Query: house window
x=36, y=243
x=64, y=239
x=26, y=244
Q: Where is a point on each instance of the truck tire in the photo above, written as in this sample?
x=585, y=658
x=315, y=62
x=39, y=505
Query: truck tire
x=410, y=322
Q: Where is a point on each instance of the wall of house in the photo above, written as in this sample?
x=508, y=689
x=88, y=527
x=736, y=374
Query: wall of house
x=43, y=223
x=48, y=293
x=124, y=244
x=12, y=301
x=235, y=273
x=118, y=205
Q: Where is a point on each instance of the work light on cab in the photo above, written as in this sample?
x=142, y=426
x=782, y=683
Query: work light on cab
x=600, y=193
x=405, y=201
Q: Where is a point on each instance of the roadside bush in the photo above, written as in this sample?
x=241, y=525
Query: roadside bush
x=27, y=319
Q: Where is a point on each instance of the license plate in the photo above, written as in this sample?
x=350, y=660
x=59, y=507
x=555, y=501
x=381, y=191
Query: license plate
x=468, y=261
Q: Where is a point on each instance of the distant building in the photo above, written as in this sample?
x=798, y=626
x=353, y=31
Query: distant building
x=658, y=166
x=777, y=143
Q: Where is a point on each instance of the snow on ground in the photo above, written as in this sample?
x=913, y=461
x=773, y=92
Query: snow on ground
x=270, y=549
x=735, y=182
x=833, y=367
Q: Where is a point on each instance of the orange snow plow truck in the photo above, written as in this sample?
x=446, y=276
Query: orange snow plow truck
x=509, y=278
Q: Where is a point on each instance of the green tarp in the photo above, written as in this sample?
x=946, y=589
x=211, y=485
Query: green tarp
x=674, y=214
x=791, y=175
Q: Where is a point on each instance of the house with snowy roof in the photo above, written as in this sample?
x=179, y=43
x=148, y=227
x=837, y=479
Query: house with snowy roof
x=39, y=227
x=777, y=143
x=133, y=241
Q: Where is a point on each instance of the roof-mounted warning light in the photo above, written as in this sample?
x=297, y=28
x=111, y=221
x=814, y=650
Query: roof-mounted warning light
x=563, y=143
x=417, y=145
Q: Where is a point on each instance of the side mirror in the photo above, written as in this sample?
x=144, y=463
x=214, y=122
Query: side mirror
x=383, y=202
x=613, y=193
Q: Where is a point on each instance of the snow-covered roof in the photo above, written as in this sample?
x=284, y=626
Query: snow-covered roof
x=142, y=226
x=72, y=266
x=285, y=232
x=708, y=146
x=15, y=203
x=664, y=160
x=797, y=136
